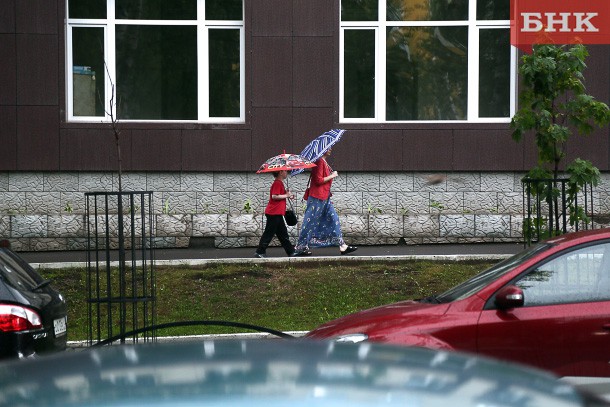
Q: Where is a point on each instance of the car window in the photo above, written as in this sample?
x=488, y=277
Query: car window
x=581, y=275
x=16, y=272
x=481, y=280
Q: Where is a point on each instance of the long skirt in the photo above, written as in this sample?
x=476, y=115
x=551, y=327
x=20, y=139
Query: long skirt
x=320, y=226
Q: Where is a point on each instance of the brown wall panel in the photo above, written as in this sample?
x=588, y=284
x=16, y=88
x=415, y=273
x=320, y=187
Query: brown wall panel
x=598, y=85
x=272, y=72
x=309, y=123
x=38, y=138
x=8, y=139
x=223, y=150
x=597, y=72
x=8, y=70
x=93, y=150
x=7, y=16
x=37, y=16
x=315, y=17
x=592, y=147
x=37, y=70
x=313, y=72
x=368, y=150
x=530, y=152
x=156, y=149
x=271, y=134
x=486, y=150
x=427, y=150
x=272, y=18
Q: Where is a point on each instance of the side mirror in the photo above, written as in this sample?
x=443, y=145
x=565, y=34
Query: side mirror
x=508, y=297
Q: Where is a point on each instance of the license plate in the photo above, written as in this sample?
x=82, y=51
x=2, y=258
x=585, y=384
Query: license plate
x=59, y=325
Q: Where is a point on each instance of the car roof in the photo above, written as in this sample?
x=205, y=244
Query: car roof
x=265, y=372
x=580, y=237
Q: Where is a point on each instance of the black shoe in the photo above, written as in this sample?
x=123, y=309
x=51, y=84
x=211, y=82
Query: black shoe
x=349, y=249
x=298, y=253
x=260, y=255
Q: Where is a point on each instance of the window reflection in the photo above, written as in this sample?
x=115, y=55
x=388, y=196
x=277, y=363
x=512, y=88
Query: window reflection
x=494, y=77
x=579, y=276
x=88, y=71
x=359, y=72
x=359, y=10
x=427, y=75
x=87, y=8
x=224, y=73
x=493, y=9
x=427, y=10
x=156, y=9
x=224, y=10
x=156, y=72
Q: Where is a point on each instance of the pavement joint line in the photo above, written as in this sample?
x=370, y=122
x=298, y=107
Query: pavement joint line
x=295, y=260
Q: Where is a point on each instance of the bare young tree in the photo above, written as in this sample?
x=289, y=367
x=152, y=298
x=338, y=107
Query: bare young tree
x=114, y=123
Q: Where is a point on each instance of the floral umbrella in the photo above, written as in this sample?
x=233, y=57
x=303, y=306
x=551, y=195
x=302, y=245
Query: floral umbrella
x=288, y=162
x=318, y=146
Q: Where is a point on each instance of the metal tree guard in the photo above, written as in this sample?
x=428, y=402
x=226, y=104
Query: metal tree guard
x=547, y=210
x=120, y=265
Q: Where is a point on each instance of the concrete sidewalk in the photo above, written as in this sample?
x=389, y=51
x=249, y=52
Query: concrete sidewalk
x=207, y=255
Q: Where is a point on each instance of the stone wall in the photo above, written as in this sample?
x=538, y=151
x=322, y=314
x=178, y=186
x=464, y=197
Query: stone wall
x=46, y=211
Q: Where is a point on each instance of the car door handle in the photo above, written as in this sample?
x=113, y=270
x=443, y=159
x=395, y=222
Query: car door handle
x=606, y=326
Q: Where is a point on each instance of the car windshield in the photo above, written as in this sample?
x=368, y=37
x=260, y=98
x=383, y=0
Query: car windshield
x=17, y=272
x=481, y=280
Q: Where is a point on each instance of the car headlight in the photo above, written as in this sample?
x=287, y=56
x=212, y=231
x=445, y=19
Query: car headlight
x=351, y=338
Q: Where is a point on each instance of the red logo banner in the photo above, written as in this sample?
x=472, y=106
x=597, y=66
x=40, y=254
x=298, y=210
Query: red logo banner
x=559, y=22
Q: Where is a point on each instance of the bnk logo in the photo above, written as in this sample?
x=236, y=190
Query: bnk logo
x=559, y=22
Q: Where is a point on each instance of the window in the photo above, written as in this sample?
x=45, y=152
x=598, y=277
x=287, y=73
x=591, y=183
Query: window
x=426, y=60
x=158, y=60
x=578, y=276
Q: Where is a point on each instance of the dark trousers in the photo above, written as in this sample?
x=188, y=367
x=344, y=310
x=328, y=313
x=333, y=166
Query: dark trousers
x=275, y=226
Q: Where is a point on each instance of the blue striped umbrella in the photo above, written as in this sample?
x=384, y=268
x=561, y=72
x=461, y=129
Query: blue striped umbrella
x=320, y=145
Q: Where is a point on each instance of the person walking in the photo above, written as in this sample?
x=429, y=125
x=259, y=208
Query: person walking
x=274, y=213
x=321, y=225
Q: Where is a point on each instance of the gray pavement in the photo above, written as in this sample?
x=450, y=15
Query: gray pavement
x=205, y=255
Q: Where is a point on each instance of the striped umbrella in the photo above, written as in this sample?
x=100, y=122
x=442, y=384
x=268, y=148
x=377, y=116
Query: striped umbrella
x=318, y=146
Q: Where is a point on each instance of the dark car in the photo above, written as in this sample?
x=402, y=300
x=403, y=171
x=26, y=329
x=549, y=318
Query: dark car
x=548, y=306
x=276, y=372
x=33, y=316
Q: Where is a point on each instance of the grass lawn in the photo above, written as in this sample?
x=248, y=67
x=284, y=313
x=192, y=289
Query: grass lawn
x=281, y=296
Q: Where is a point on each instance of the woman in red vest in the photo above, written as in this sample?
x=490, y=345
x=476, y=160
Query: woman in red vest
x=321, y=225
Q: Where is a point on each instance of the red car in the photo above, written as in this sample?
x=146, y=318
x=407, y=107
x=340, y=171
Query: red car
x=548, y=306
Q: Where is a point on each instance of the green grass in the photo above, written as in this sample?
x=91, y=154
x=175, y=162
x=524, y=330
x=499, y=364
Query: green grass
x=280, y=296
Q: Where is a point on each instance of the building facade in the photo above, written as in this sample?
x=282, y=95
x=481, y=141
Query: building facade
x=203, y=91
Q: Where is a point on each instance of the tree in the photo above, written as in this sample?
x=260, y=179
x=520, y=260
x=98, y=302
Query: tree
x=553, y=104
x=114, y=126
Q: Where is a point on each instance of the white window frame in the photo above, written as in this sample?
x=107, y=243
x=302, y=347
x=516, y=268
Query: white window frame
x=380, y=27
x=203, y=90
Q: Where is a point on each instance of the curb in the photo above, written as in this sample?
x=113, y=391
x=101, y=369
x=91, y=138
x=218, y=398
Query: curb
x=293, y=260
x=177, y=339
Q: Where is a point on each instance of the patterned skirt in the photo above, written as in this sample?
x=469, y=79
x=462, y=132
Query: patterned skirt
x=320, y=226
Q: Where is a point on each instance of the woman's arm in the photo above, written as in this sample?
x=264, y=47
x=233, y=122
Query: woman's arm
x=332, y=175
x=320, y=174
